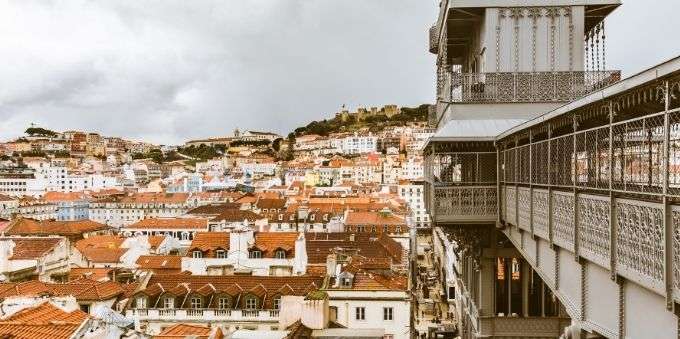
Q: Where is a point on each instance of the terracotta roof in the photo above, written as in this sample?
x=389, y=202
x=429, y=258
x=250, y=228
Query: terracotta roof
x=237, y=216
x=320, y=245
x=171, y=223
x=186, y=330
x=92, y=273
x=209, y=242
x=81, y=289
x=27, y=226
x=373, y=218
x=156, y=240
x=271, y=203
x=269, y=242
x=171, y=262
x=214, y=209
x=298, y=284
x=99, y=241
x=64, y=196
x=32, y=248
x=168, y=198
x=42, y=321
x=103, y=255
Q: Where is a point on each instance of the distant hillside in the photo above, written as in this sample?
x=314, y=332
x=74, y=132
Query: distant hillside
x=374, y=123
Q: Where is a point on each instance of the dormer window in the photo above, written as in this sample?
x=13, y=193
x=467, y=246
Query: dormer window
x=197, y=254
x=292, y=217
x=312, y=217
x=325, y=217
x=280, y=217
x=255, y=254
x=280, y=254
x=223, y=303
x=141, y=302
x=346, y=282
x=277, y=303
x=251, y=302
x=196, y=302
x=169, y=302
x=221, y=254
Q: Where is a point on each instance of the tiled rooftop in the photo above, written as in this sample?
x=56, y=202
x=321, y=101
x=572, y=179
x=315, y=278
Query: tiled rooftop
x=171, y=223
x=42, y=321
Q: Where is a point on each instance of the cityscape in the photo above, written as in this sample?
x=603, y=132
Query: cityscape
x=536, y=195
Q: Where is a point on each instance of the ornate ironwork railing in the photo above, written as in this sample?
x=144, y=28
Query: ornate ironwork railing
x=465, y=203
x=519, y=327
x=526, y=86
x=434, y=39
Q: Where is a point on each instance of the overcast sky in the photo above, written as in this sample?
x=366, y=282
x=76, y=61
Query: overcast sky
x=168, y=71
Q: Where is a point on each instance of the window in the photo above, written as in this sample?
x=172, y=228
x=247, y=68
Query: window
x=346, y=282
x=197, y=254
x=196, y=302
x=385, y=229
x=221, y=254
x=255, y=254
x=398, y=230
x=388, y=313
x=251, y=303
x=277, y=303
x=169, y=303
x=223, y=303
x=360, y=313
x=141, y=302
x=280, y=254
x=312, y=217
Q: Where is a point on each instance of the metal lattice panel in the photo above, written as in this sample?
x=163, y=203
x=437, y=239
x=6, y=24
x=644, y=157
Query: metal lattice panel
x=638, y=155
x=510, y=203
x=676, y=252
x=530, y=86
x=563, y=219
x=524, y=208
x=592, y=158
x=639, y=239
x=593, y=229
x=561, y=162
x=465, y=201
x=539, y=159
x=504, y=205
x=524, y=165
x=540, y=211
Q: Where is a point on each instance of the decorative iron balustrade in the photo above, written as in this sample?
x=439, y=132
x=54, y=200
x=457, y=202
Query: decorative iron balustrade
x=465, y=203
x=632, y=245
x=526, y=86
x=434, y=39
x=522, y=327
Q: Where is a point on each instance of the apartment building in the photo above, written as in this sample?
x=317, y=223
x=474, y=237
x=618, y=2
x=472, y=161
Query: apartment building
x=118, y=211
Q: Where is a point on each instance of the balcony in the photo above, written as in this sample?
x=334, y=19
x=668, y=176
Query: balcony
x=465, y=203
x=203, y=315
x=462, y=185
x=523, y=327
x=525, y=87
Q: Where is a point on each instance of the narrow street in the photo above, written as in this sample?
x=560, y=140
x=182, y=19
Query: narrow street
x=432, y=308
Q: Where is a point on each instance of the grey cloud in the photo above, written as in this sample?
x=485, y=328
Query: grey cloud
x=167, y=71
